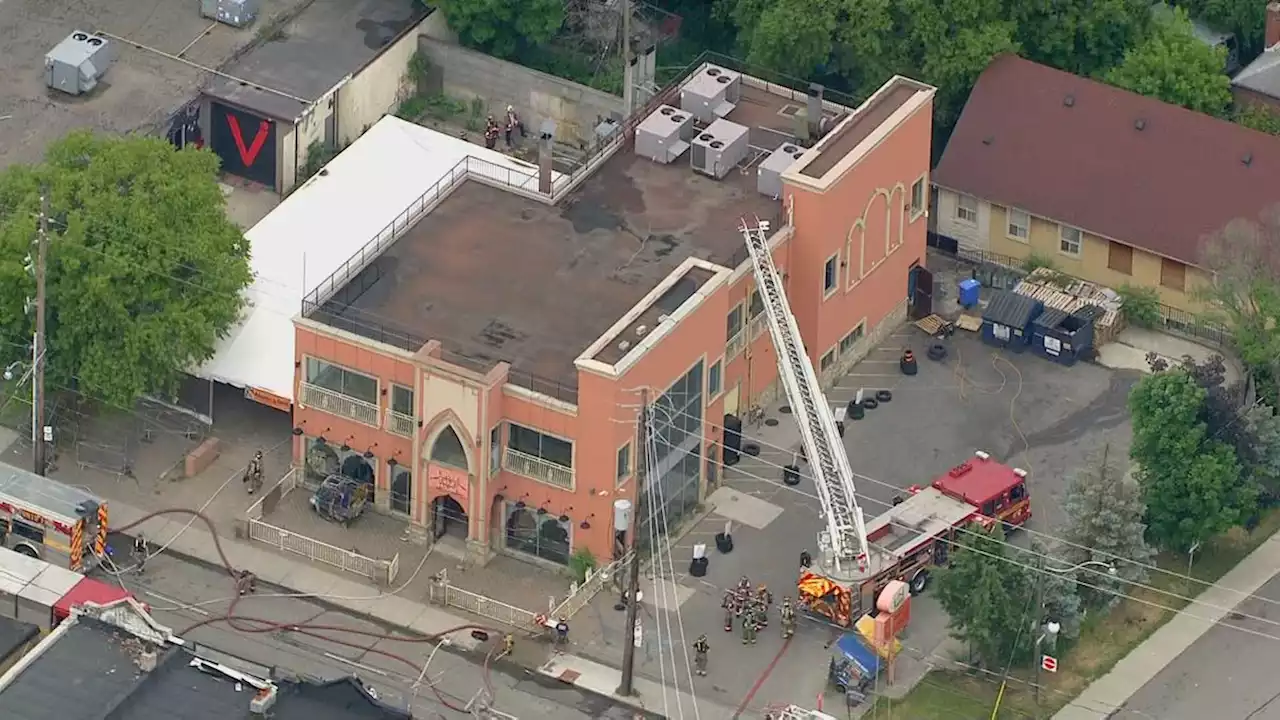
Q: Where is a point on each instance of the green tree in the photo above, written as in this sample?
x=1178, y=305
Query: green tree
x=986, y=596
x=1247, y=19
x=503, y=27
x=1172, y=64
x=1191, y=482
x=144, y=269
x=1105, y=512
x=1245, y=295
x=1084, y=37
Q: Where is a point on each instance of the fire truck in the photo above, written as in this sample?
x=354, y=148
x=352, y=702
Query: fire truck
x=915, y=535
x=856, y=559
x=45, y=519
x=42, y=594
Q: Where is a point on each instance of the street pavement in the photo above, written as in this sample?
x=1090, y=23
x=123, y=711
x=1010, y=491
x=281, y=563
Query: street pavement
x=183, y=593
x=1024, y=410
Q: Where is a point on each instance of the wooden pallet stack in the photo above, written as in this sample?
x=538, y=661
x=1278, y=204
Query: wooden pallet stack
x=1069, y=294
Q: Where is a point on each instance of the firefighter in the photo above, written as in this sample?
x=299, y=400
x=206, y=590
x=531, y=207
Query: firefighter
x=806, y=560
x=788, y=619
x=730, y=606
x=246, y=583
x=700, y=648
x=253, y=473
x=141, y=552
x=744, y=585
x=508, y=644
x=750, y=625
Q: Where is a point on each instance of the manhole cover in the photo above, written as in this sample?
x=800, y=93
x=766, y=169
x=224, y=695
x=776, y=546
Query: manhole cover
x=785, y=409
x=771, y=422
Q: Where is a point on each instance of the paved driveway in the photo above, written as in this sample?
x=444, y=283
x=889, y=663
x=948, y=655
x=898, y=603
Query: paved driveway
x=1024, y=410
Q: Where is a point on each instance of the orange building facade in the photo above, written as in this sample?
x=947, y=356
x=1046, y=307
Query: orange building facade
x=484, y=454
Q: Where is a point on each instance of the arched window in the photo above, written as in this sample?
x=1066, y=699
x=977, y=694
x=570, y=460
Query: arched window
x=448, y=449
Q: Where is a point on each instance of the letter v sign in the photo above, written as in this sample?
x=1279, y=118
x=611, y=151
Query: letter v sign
x=250, y=154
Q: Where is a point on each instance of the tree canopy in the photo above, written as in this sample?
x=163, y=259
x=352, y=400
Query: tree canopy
x=1174, y=65
x=503, y=27
x=144, y=270
x=987, y=597
x=1191, y=480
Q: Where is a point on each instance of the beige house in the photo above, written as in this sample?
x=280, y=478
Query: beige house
x=1107, y=185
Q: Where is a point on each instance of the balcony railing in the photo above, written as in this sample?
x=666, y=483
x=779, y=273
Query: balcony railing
x=398, y=424
x=537, y=469
x=314, y=396
x=735, y=345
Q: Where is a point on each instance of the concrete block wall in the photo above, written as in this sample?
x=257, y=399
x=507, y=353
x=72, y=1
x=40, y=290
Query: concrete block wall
x=536, y=95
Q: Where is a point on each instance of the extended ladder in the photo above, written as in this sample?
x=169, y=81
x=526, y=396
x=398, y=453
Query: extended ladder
x=846, y=534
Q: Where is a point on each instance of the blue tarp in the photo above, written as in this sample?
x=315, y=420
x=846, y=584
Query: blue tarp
x=853, y=647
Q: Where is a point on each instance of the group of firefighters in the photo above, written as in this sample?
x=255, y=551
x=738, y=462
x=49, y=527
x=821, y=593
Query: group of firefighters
x=750, y=606
x=509, y=129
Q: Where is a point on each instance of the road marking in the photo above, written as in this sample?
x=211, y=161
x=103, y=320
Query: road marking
x=176, y=603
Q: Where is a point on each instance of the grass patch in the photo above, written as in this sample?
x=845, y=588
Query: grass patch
x=1104, y=640
x=15, y=411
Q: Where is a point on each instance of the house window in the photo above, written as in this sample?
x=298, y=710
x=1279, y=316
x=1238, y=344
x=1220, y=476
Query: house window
x=1173, y=274
x=1120, y=258
x=338, y=379
x=848, y=341
x=827, y=360
x=713, y=381
x=323, y=459
x=401, y=489
x=967, y=209
x=624, y=462
x=402, y=400
x=1068, y=240
x=1019, y=225
x=829, y=274
x=733, y=324
x=535, y=444
x=917, y=198
x=756, y=306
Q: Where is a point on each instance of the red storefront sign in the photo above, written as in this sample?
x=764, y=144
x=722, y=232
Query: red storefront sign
x=443, y=480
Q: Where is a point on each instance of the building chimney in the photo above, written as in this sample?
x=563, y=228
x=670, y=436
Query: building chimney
x=1273, y=24
x=546, y=142
x=814, y=111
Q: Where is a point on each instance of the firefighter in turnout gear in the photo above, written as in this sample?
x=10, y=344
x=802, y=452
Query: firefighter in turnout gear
x=700, y=648
x=253, y=473
x=750, y=625
x=788, y=619
x=730, y=605
x=763, y=601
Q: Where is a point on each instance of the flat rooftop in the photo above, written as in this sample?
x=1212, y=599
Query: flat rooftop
x=140, y=91
x=870, y=116
x=495, y=276
x=325, y=43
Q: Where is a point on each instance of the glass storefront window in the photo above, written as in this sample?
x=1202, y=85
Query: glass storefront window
x=545, y=536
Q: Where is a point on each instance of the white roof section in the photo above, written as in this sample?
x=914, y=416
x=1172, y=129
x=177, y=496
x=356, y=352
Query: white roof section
x=324, y=223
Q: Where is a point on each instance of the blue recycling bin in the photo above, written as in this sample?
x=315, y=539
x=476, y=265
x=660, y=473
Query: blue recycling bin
x=970, y=289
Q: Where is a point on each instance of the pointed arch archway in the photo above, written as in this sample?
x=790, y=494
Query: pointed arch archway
x=449, y=457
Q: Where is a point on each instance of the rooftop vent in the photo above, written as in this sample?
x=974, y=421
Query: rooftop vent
x=722, y=79
x=1069, y=100
x=713, y=72
x=641, y=330
x=1139, y=124
x=717, y=144
x=667, y=110
x=706, y=137
x=1247, y=159
x=624, y=345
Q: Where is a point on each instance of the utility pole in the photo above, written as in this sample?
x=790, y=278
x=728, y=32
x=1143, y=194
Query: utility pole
x=628, y=70
x=633, y=585
x=1040, y=573
x=37, y=347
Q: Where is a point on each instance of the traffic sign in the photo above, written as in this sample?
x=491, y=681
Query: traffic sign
x=1049, y=663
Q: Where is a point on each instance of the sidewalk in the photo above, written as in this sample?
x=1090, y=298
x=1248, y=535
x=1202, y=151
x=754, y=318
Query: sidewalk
x=1108, y=693
x=603, y=680
x=196, y=542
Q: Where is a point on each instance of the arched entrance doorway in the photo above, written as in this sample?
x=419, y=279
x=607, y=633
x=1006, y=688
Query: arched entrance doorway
x=448, y=517
x=449, y=481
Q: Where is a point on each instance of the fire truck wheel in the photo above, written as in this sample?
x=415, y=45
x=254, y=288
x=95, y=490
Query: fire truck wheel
x=27, y=550
x=919, y=582
x=884, y=396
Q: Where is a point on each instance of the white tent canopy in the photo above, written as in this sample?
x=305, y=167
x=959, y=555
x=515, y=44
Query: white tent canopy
x=318, y=228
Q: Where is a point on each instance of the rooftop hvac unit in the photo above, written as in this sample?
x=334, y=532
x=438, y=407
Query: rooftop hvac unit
x=769, y=172
x=718, y=149
x=236, y=13
x=664, y=136
x=711, y=93
x=75, y=65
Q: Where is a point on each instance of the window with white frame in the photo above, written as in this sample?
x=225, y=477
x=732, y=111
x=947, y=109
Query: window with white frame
x=848, y=341
x=967, y=209
x=1019, y=225
x=338, y=379
x=733, y=323
x=624, y=463
x=917, y=198
x=829, y=274
x=540, y=445
x=1068, y=240
x=755, y=306
x=713, y=381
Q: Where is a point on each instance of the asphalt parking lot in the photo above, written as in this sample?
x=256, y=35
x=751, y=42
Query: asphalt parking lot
x=1024, y=410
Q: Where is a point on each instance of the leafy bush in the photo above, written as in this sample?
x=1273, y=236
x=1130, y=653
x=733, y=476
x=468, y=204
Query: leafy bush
x=1140, y=305
x=581, y=562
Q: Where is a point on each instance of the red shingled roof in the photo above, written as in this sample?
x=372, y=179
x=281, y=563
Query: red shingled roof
x=1067, y=148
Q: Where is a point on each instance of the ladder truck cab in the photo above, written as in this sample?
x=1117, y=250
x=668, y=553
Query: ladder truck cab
x=45, y=519
x=916, y=534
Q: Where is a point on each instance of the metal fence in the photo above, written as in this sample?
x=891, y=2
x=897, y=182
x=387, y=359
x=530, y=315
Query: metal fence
x=1181, y=322
x=442, y=593
x=582, y=594
x=382, y=572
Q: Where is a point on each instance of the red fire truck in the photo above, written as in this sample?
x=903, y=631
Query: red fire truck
x=915, y=534
x=43, y=518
